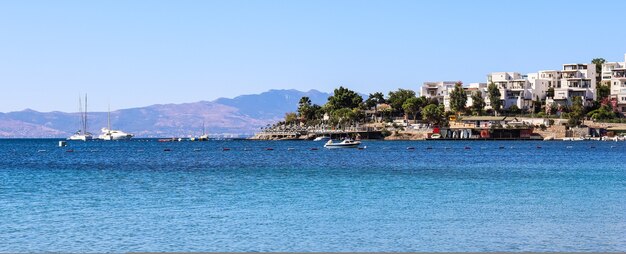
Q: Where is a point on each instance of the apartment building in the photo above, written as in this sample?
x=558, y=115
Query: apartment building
x=439, y=90
x=614, y=73
x=515, y=89
x=575, y=80
x=473, y=88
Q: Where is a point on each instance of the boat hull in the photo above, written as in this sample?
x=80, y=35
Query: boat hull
x=342, y=145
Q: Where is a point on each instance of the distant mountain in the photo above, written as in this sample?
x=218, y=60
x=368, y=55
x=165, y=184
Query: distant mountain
x=241, y=115
x=272, y=104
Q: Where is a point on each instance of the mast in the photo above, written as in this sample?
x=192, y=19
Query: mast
x=81, y=120
x=109, y=119
x=85, y=117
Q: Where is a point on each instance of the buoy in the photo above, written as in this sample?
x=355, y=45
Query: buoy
x=429, y=148
x=227, y=149
x=167, y=150
x=62, y=143
x=269, y=149
x=467, y=148
x=314, y=149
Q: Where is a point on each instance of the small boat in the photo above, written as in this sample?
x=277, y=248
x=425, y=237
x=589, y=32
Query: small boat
x=108, y=134
x=82, y=134
x=322, y=138
x=204, y=136
x=346, y=143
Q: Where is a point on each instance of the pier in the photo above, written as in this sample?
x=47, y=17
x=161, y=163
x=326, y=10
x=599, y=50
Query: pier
x=300, y=133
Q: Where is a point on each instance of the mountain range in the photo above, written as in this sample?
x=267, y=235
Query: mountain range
x=242, y=115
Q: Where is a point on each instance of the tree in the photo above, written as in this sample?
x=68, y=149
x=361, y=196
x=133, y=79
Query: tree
x=514, y=109
x=304, y=108
x=598, y=62
x=478, y=103
x=536, y=105
x=550, y=92
x=577, y=111
x=412, y=106
x=603, y=90
x=374, y=99
x=494, y=97
x=397, y=98
x=343, y=98
x=291, y=117
x=603, y=113
x=458, y=98
x=433, y=114
x=343, y=116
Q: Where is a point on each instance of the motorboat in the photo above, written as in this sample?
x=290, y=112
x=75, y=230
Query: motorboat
x=82, y=134
x=346, y=143
x=322, y=138
x=109, y=134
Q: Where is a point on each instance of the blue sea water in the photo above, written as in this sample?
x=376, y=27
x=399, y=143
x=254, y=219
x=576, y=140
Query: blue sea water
x=134, y=196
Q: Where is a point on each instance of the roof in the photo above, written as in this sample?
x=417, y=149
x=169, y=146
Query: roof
x=483, y=118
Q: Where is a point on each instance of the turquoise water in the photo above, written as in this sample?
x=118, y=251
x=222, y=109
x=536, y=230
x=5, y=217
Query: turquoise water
x=134, y=196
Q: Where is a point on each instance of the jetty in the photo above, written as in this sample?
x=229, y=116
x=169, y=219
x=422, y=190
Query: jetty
x=310, y=133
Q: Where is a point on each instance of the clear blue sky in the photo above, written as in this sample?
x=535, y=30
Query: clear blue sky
x=138, y=53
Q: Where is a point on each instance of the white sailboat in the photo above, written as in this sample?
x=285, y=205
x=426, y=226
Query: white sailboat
x=204, y=137
x=82, y=134
x=109, y=134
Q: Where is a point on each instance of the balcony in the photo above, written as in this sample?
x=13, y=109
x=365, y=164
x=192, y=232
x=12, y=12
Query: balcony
x=579, y=84
x=619, y=73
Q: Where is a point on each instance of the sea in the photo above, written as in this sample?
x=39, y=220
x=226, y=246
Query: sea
x=287, y=196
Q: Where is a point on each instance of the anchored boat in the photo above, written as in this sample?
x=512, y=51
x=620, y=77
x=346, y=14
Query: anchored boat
x=82, y=134
x=346, y=143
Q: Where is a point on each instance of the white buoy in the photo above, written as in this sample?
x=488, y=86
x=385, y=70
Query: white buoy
x=62, y=143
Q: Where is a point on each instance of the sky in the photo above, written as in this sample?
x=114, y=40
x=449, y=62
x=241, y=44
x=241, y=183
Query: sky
x=138, y=53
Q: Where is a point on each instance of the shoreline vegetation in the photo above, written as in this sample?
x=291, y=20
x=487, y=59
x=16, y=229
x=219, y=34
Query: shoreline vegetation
x=401, y=115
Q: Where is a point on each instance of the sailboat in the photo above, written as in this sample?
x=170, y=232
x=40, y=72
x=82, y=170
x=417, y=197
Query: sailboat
x=204, y=137
x=109, y=134
x=82, y=133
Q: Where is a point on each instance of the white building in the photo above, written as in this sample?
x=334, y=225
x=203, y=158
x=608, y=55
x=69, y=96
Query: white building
x=439, y=90
x=515, y=89
x=614, y=73
x=576, y=80
x=541, y=81
x=473, y=88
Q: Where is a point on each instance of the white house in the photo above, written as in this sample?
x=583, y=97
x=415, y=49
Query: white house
x=576, y=80
x=515, y=89
x=439, y=90
x=615, y=74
